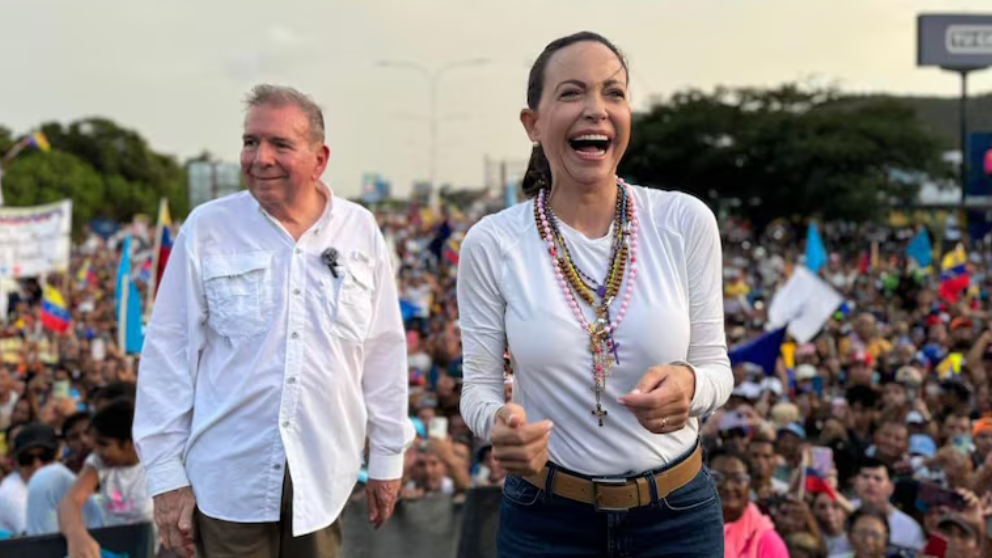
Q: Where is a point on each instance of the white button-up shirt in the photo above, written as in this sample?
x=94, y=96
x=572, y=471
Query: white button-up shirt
x=258, y=355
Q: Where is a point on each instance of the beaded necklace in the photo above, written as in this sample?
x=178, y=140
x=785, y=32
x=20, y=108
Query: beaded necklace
x=578, y=285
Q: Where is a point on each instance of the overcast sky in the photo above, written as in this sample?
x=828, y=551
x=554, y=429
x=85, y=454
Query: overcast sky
x=177, y=70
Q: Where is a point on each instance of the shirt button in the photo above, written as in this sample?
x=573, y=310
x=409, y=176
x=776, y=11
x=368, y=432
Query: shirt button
x=298, y=250
x=295, y=335
x=296, y=291
x=292, y=380
x=277, y=466
x=285, y=424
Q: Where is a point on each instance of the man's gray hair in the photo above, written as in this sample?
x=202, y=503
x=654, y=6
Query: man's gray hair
x=281, y=96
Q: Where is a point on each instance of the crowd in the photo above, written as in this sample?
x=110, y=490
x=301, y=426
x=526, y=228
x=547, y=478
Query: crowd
x=873, y=439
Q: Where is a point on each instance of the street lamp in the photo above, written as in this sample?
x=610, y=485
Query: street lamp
x=433, y=79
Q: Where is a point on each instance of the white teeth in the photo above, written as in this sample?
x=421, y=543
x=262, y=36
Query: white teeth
x=592, y=137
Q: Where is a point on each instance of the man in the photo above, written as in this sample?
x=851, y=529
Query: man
x=764, y=486
x=874, y=488
x=964, y=537
x=34, y=447
x=276, y=342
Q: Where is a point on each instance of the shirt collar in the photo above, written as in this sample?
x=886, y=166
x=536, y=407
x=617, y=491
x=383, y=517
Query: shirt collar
x=325, y=217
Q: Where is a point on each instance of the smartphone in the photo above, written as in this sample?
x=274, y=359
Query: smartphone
x=963, y=444
x=818, y=386
x=60, y=389
x=935, y=495
x=438, y=428
x=936, y=547
x=823, y=460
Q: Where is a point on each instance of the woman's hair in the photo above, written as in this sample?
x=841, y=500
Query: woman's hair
x=724, y=453
x=113, y=421
x=538, y=173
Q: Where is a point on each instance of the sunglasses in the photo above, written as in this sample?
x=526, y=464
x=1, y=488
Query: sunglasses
x=29, y=457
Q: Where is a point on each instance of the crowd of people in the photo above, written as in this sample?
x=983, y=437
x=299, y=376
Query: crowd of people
x=873, y=439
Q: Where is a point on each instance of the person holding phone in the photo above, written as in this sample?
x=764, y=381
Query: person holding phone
x=609, y=299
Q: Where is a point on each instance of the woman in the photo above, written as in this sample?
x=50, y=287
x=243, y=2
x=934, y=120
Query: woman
x=868, y=530
x=747, y=532
x=831, y=516
x=608, y=297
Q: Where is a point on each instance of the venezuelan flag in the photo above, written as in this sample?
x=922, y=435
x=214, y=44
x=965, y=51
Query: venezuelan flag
x=164, y=241
x=86, y=275
x=54, y=311
x=40, y=141
x=954, y=275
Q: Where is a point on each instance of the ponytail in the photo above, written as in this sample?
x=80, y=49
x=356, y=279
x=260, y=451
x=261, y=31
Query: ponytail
x=538, y=175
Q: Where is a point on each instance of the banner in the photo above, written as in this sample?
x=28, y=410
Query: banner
x=35, y=240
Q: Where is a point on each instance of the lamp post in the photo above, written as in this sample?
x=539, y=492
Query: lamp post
x=433, y=79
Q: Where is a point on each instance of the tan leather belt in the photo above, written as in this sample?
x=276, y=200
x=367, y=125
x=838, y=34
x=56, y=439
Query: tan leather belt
x=620, y=494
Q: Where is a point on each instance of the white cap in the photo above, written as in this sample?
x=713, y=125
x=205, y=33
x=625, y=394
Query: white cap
x=747, y=390
x=805, y=372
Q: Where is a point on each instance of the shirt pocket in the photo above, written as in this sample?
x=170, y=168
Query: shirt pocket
x=238, y=289
x=353, y=311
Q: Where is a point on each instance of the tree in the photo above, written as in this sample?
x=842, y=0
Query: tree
x=37, y=178
x=107, y=170
x=785, y=152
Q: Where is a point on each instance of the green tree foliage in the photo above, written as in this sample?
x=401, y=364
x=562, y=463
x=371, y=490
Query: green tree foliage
x=785, y=152
x=107, y=170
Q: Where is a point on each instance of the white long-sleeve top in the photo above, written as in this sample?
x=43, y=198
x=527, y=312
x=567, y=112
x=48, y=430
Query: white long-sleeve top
x=508, y=293
x=256, y=355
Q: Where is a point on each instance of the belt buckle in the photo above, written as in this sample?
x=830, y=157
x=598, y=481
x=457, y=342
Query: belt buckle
x=609, y=481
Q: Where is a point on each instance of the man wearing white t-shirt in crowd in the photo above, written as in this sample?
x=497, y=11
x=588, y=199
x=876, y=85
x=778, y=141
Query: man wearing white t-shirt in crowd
x=35, y=446
x=113, y=470
x=873, y=486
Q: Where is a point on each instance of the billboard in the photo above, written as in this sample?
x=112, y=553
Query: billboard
x=209, y=181
x=979, y=168
x=954, y=41
x=375, y=188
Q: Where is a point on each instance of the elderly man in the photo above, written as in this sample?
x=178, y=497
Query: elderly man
x=275, y=347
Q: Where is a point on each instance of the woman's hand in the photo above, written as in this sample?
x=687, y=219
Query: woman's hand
x=662, y=397
x=519, y=447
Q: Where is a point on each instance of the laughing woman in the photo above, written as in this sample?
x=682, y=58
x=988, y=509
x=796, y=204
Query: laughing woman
x=609, y=299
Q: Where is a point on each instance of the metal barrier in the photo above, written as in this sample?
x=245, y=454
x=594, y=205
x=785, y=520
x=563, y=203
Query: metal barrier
x=434, y=527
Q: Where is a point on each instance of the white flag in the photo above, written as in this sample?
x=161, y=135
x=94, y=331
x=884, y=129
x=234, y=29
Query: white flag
x=806, y=302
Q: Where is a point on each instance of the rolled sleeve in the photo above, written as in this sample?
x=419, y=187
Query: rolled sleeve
x=166, y=476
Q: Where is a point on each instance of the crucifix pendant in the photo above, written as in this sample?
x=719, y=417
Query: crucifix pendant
x=600, y=413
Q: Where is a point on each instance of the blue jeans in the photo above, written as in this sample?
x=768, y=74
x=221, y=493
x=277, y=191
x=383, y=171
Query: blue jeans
x=537, y=523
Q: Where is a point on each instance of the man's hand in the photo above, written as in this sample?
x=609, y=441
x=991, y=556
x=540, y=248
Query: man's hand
x=662, y=397
x=381, y=495
x=174, y=518
x=520, y=448
x=83, y=546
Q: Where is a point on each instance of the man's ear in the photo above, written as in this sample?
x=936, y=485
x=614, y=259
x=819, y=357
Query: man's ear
x=528, y=117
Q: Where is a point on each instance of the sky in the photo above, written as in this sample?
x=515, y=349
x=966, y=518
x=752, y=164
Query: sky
x=177, y=71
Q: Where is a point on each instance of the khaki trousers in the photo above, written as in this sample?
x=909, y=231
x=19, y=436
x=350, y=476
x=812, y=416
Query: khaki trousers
x=216, y=538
